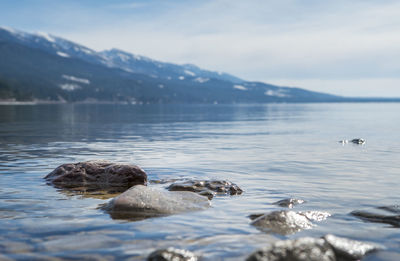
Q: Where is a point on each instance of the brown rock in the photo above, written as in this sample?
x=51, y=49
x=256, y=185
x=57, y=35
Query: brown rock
x=96, y=175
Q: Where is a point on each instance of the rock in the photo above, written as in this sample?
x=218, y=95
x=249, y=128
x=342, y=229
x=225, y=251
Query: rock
x=141, y=202
x=358, y=141
x=347, y=249
x=172, y=254
x=96, y=175
x=289, y=202
x=255, y=216
x=390, y=219
x=207, y=188
x=163, y=181
x=393, y=208
x=330, y=248
x=287, y=222
x=302, y=249
x=315, y=215
x=355, y=141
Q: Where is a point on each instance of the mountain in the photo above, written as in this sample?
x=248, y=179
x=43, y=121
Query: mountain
x=45, y=68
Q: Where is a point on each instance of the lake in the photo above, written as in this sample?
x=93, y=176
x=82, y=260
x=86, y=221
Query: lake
x=272, y=152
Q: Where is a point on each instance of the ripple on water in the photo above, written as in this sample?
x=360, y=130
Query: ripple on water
x=272, y=152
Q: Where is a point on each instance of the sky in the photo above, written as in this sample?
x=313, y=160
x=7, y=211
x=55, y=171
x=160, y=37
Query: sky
x=349, y=48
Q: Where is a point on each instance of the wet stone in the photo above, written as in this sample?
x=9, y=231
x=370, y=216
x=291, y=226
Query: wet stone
x=94, y=175
x=302, y=249
x=255, y=216
x=289, y=202
x=355, y=141
x=172, y=254
x=315, y=215
x=358, y=141
x=328, y=248
x=385, y=215
x=347, y=249
x=140, y=202
x=392, y=208
x=287, y=222
x=208, y=188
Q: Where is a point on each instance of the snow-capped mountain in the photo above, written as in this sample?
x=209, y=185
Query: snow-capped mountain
x=141, y=64
x=113, y=58
x=46, y=67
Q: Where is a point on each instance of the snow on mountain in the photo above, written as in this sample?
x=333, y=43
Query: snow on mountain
x=239, y=87
x=189, y=73
x=46, y=36
x=201, y=80
x=277, y=93
x=75, y=79
x=70, y=87
x=10, y=30
x=62, y=54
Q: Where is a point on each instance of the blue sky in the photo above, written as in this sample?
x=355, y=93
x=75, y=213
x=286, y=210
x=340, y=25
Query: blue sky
x=343, y=47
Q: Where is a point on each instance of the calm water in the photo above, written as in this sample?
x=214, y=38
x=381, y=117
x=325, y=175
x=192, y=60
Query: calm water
x=271, y=151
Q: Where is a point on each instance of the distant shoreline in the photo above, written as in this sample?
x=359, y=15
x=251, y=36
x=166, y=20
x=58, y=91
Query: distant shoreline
x=345, y=100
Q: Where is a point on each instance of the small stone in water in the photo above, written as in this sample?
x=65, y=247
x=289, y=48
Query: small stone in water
x=287, y=222
x=140, y=202
x=207, y=188
x=347, y=249
x=171, y=254
x=96, y=175
x=358, y=141
x=328, y=248
x=289, y=202
x=355, y=141
x=302, y=249
x=391, y=219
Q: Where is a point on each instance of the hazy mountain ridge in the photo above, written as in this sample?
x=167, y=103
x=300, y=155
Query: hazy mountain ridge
x=49, y=68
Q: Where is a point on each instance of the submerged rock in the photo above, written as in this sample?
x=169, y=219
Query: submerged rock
x=328, y=248
x=289, y=202
x=96, y=175
x=172, y=254
x=302, y=249
x=207, y=188
x=141, y=202
x=390, y=219
x=287, y=222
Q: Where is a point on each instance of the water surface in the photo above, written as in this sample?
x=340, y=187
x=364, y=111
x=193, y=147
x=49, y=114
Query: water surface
x=271, y=151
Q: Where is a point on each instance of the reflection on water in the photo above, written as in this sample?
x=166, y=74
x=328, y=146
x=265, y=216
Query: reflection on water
x=271, y=151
